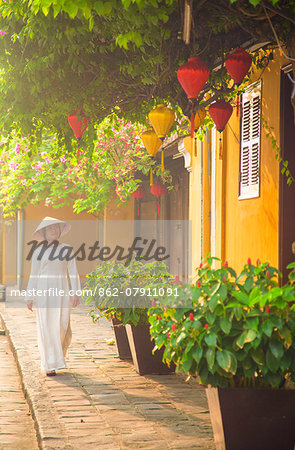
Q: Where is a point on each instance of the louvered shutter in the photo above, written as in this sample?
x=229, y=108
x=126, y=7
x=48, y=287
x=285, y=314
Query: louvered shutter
x=250, y=142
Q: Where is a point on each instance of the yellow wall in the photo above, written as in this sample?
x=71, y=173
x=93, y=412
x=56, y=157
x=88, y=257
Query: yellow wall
x=251, y=225
x=243, y=228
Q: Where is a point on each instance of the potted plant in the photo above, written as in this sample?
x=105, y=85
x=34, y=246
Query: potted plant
x=237, y=335
x=123, y=292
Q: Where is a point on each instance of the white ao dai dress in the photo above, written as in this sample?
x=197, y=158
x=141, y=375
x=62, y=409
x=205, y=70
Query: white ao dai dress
x=49, y=278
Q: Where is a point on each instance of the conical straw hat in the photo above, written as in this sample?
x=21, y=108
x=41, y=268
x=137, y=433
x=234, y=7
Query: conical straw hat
x=47, y=221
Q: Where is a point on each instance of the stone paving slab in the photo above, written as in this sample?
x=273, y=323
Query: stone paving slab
x=99, y=401
x=17, y=430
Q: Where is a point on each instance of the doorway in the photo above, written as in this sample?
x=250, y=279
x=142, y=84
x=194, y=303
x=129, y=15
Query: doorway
x=286, y=193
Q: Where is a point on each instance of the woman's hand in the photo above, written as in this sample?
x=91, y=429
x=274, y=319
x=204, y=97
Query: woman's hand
x=75, y=301
x=30, y=305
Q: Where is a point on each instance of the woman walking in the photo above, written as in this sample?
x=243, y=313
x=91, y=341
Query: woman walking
x=49, y=287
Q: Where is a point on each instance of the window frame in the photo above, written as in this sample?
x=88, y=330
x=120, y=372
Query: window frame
x=252, y=190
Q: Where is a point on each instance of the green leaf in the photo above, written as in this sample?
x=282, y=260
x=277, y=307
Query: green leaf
x=258, y=356
x=222, y=291
x=272, y=363
x=276, y=349
x=225, y=324
x=210, y=357
x=267, y=327
x=197, y=354
x=245, y=337
x=242, y=297
x=227, y=361
x=211, y=340
x=186, y=365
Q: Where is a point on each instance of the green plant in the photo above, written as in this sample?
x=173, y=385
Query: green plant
x=32, y=172
x=239, y=331
x=125, y=289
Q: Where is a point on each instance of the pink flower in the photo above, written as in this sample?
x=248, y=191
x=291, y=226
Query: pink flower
x=17, y=149
x=63, y=159
x=2, y=32
x=13, y=166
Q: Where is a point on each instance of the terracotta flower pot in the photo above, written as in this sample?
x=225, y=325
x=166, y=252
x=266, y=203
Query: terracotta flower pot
x=141, y=347
x=255, y=419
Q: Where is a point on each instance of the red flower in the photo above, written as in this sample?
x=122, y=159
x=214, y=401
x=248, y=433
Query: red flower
x=249, y=261
x=225, y=264
x=201, y=265
x=199, y=284
x=173, y=328
x=206, y=326
x=191, y=316
x=154, y=303
x=267, y=309
x=258, y=262
x=168, y=335
x=159, y=318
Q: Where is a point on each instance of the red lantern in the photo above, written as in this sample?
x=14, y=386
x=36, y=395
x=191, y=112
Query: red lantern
x=193, y=76
x=138, y=194
x=78, y=126
x=220, y=111
x=238, y=64
x=158, y=189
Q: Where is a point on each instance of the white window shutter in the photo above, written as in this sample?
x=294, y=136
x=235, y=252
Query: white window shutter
x=250, y=142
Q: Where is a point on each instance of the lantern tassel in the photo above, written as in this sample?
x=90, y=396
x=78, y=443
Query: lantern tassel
x=137, y=208
x=220, y=147
x=151, y=176
x=192, y=125
x=238, y=105
x=158, y=209
x=162, y=162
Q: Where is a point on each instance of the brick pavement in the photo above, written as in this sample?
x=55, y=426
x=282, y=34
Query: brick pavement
x=17, y=430
x=99, y=401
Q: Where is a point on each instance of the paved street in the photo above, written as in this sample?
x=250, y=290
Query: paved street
x=100, y=402
x=16, y=424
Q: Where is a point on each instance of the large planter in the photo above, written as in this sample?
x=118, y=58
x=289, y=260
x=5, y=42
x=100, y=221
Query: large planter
x=121, y=340
x=141, y=347
x=252, y=419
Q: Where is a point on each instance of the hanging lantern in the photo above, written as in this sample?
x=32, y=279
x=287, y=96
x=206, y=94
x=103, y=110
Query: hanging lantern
x=193, y=76
x=152, y=144
x=220, y=112
x=162, y=119
x=158, y=189
x=199, y=118
x=138, y=194
x=238, y=64
x=78, y=126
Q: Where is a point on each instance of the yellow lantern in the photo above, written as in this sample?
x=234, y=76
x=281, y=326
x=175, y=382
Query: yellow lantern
x=199, y=118
x=152, y=144
x=162, y=119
